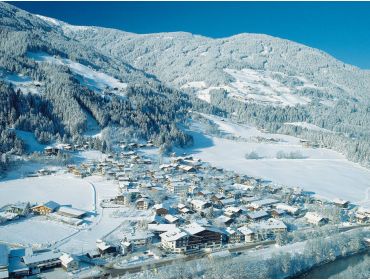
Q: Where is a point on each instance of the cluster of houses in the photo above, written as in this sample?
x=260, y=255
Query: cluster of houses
x=51, y=209
x=190, y=206
x=196, y=206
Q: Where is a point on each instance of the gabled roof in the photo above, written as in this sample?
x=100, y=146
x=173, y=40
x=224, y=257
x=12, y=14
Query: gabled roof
x=40, y=257
x=71, y=211
x=51, y=205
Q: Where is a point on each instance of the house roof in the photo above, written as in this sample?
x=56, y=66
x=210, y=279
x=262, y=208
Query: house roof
x=173, y=235
x=263, y=202
x=40, y=257
x=245, y=230
x=257, y=214
x=161, y=227
x=314, y=217
x=71, y=211
x=287, y=207
x=198, y=203
x=270, y=224
x=51, y=205
x=66, y=259
x=171, y=218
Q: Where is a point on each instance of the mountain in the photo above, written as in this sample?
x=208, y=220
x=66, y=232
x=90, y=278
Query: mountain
x=154, y=81
x=54, y=86
x=253, y=67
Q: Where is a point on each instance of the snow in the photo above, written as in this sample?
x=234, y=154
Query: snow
x=196, y=84
x=62, y=188
x=89, y=77
x=260, y=86
x=29, y=139
x=35, y=231
x=309, y=126
x=49, y=20
x=324, y=172
x=23, y=83
x=93, y=128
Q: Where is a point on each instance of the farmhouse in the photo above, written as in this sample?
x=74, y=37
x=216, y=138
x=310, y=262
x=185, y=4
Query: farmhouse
x=71, y=212
x=316, y=219
x=46, y=208
x=138, y=238
x=341, y=203
x=290, y=209
x=105, y=248
x=248, y=234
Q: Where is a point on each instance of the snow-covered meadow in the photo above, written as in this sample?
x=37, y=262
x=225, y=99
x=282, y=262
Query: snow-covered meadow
x=322, y=171
x=61, y=188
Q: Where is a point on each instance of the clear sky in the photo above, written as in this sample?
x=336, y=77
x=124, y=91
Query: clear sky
x=339, y=28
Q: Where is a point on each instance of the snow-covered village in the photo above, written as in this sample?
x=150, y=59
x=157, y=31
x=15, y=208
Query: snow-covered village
x=158, y=153
x=135, y=209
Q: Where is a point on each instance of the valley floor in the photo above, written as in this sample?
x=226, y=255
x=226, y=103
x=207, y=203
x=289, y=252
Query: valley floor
x=322, y=171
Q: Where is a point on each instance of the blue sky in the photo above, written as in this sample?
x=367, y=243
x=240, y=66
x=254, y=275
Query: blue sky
x=339, y=28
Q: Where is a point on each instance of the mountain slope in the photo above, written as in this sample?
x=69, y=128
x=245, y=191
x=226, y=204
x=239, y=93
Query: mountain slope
x=51, y=85
x=191, y=61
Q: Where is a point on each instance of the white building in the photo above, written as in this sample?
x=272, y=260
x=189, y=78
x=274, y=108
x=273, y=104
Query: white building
x=69, y=263
x=316, y=219
x=290, y=209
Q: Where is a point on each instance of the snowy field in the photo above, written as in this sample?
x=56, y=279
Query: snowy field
x=35, y=231
x=62, y=188
x=322, y=171
x=106, y=222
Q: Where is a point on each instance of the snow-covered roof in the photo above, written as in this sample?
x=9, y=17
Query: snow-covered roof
x=171, y=218
x=288, y=208
x=173, y=235
x=245, y=230
x=340, y=201
x=198, y=203
x=263, y=202
x=222, y=219
x=257, y=214
x=314, y=217
x=161, y=227
x=103, y=245
x=270, y=224
x=66, y=259
x=71, y=211
x=194, y=228
x=51, y=205
x=40, y=257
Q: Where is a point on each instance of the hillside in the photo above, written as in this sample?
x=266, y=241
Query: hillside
x=52, y=86
x=153, y=82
